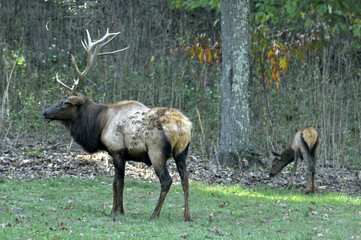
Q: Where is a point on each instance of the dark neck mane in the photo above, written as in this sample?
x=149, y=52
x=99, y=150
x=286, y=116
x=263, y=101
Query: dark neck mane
x=288, y=156
x=87, y=126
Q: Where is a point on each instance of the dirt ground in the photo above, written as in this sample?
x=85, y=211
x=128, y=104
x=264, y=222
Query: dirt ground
x=49, y=159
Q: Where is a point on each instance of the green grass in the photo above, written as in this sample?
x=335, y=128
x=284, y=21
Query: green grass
x=79, y=209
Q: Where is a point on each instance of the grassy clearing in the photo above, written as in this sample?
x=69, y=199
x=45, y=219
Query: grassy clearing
x=77, y=209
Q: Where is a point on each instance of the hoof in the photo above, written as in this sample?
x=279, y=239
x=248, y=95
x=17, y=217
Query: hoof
x=117, y=213
x=188, y=219
x=310, y=190
x=154, y=217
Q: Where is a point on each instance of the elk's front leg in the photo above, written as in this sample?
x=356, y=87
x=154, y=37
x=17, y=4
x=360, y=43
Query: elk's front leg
x=118, y=184
x=294, y=169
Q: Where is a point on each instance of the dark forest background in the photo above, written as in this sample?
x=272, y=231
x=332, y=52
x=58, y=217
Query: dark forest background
x=37, y=39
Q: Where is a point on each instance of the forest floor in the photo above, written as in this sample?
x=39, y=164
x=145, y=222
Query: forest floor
x=36, y=159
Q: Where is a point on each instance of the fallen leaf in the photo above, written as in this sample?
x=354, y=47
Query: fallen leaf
x=286, y=215
x=212, y=217
x=224, y=204
x=184, y=235
x=281, y=232
x=314, y=213
x=215, y=230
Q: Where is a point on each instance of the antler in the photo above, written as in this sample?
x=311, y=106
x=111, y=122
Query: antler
x=92, y=52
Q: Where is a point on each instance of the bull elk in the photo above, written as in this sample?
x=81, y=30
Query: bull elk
x=304, y=145
x=127, y=130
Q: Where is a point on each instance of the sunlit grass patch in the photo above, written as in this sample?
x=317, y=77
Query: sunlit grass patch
x=73, y=208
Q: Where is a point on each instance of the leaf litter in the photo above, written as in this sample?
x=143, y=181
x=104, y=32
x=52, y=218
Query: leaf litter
x=49, y=159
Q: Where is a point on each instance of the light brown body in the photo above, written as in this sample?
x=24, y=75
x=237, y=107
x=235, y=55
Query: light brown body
x=133, y=126
x=304, y=144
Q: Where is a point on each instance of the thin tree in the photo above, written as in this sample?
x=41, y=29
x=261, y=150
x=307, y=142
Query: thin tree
x=235, y=115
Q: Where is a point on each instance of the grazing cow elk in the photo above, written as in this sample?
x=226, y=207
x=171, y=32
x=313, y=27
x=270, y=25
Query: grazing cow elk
x=304, y=145
x=127, y=130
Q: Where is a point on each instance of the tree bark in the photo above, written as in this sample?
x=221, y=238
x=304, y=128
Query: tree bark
x=235, y=115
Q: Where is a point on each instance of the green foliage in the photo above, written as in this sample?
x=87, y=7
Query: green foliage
x=341, y=16
x=191, y=5
x=28, y=116
x=76, y=208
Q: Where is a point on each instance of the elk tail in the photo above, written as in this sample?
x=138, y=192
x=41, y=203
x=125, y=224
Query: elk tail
x=310, y=137
x=177, y=128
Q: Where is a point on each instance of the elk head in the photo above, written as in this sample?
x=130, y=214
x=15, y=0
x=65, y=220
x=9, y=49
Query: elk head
x=281, y=160
x=277, y=164
x=67, y=107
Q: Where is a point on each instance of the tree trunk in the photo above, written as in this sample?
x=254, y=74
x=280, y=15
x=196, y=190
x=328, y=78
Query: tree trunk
x=235, y=115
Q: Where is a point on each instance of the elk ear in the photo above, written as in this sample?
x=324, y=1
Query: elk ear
x=76, y=100
x=276, y=154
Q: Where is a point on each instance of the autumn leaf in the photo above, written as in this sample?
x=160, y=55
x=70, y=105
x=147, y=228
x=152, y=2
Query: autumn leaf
x=192, y=51
x=200, y=56
x=283, y=65
x=152, y=59
x=208, y=55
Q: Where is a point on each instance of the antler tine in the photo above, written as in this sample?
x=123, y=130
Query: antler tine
x=95, y=43
x=89, y=45
x=113, y=36
x=110, y=53
x=61, y=83
x=85, y=45
x=92, y=51
x=76, y=66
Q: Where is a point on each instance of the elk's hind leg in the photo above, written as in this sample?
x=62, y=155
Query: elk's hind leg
x=313, y=173
x=182, y=169
x=158, y=156
x=314, y=152
x=311, y=187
